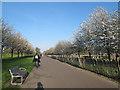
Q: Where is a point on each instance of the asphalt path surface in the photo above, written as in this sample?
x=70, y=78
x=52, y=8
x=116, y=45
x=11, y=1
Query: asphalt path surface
x=55, y=74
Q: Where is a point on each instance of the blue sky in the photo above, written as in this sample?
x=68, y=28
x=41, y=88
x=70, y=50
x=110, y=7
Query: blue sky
x=44, y=24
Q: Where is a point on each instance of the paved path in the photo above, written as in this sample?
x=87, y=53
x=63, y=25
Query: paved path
x=55, y=74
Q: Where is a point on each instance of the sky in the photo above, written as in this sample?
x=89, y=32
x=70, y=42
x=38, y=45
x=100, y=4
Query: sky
x=44, y=24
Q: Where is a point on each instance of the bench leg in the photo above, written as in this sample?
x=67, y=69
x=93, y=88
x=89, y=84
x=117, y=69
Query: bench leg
x=12, y=81
x=16, y=83
x=21, y=81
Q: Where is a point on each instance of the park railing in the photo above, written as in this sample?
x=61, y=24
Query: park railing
x=100, y=66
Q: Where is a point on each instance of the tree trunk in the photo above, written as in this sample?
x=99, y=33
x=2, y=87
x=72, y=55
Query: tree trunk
x=89, y=54
x=1, y=55
x=99, y=55
x=2, y=50
x=21, y=54
x=108, y=53
x=63, y=58
x=118, y=66
x=67, y=58
x=12, y=50
x=79, y=59
x=116, y=56
x=18, y=54
x=109, y=56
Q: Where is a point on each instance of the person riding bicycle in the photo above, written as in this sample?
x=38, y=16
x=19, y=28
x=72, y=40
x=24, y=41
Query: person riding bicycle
x=35, y=58
x=38, y=59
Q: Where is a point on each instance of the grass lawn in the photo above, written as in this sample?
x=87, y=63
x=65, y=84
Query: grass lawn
x=8, y=56
x=7, y=63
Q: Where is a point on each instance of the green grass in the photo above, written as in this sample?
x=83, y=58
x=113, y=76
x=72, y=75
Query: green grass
x=7, y=63
x=8, y=56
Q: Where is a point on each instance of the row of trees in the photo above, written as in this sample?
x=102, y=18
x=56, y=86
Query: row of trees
x=98, y=35
x=14, y=41
x=37, y=50
x=99, y=39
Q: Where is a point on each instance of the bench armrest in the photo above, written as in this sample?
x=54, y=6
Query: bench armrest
x=22, y=69
x=14, y=74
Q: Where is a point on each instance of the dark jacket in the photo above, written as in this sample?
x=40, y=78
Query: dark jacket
x=39, y=57
x=34, y=60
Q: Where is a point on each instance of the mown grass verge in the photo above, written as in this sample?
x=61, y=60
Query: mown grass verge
x=8, y=63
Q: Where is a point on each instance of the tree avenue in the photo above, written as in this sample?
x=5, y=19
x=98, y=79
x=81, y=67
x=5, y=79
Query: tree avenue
x=13, y=41
x=97, y=37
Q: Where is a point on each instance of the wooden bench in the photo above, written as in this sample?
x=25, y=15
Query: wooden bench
x=18, y=73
